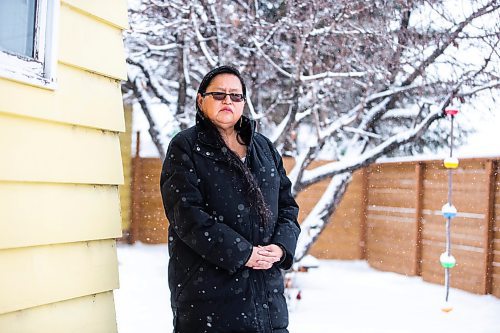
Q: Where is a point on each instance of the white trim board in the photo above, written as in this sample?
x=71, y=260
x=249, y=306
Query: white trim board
x=41, y=70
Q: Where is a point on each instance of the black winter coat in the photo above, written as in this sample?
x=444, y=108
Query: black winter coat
x=213, y=227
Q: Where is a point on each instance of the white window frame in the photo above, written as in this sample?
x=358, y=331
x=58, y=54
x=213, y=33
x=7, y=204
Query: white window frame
x=40, y=70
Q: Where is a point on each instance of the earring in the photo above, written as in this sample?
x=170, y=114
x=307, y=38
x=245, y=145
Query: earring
x=241, y=120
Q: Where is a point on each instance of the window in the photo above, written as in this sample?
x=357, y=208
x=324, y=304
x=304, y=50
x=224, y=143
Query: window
x=27, y=41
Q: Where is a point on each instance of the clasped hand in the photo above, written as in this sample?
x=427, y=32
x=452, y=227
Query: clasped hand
x=263, y=257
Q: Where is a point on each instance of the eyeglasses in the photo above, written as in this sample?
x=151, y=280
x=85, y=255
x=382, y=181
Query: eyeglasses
x=220, y=96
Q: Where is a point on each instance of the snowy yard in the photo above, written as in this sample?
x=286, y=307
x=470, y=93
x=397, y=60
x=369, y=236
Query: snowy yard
x=339, y=296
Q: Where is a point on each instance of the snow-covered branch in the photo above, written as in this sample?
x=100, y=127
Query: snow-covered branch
x=202, y=41
x=331, y=74
x=144, y=102
x=361, y=132
x=152, y=82
x=491, y=85
x=304, y=78
x=281, y=127
x=275, y=65
x=166, y=47
x=306, y=157
x=491, y=6
x=378, y=109
x=334, y=168
x=332, y=31
x=218, y=30
x=345, y=120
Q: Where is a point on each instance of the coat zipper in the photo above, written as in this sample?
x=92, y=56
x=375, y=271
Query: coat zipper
x=260, y=275
x=266, y=292
x=252, y=286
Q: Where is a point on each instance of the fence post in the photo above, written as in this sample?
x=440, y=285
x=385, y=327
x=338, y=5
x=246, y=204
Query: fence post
x=419, y=195
x=364, y=211
x=136, y=192
x=491, y=171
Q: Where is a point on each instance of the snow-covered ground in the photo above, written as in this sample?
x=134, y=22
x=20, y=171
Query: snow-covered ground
x=339, y=296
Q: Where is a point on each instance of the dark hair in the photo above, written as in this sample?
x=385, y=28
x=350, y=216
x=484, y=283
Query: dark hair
x=213, y=73
x=254, y=193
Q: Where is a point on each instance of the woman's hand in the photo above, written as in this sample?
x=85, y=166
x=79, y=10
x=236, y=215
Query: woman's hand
x=263, y=257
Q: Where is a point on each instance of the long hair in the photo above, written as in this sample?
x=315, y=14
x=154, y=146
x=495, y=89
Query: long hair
x=253, y=193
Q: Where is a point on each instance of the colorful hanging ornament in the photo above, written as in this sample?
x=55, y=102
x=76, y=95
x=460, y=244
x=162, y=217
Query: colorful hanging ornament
x=451, y=112
x=451, y=163
x=449, y=211
x=447, y=261
x=446, y=307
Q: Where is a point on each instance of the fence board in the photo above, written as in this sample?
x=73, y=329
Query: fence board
x=341, y=239
x=464, y=202
x=403, y=184
x=391, y=247
x=391, y=197
x=473, y=221
x=384, y=262
x=495, y=278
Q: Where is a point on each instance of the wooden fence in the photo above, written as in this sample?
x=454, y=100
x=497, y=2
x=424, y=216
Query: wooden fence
x=390, y=216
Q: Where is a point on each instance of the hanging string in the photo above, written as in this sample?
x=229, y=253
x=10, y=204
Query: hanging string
x=449, y=211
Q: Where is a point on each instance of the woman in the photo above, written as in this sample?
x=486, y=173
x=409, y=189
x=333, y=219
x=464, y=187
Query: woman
x=233, y=220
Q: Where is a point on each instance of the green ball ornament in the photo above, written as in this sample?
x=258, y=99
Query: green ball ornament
x=447, y=261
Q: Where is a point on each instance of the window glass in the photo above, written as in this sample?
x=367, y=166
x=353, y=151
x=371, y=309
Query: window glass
x=17, y=26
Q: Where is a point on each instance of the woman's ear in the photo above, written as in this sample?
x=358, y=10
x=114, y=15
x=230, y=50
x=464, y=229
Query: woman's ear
x=199, y=99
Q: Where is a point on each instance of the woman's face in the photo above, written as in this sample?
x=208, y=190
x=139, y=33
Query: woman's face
x=224, y=114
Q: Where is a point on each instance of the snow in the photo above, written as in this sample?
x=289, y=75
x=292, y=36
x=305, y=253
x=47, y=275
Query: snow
x=143, y=300
x=351, y=297
x=308, y=261
x=339, y=296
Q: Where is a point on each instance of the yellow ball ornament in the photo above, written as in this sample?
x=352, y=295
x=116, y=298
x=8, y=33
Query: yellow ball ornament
x=451, y=163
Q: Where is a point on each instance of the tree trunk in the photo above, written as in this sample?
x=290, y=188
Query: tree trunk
x=181, y=96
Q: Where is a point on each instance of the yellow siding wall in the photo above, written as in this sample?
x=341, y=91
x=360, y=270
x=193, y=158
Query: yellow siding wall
x=91, y=44
x=34, y=150
x=70, y=316
x=82, y=98
x=125, y=189
x=60, y=168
